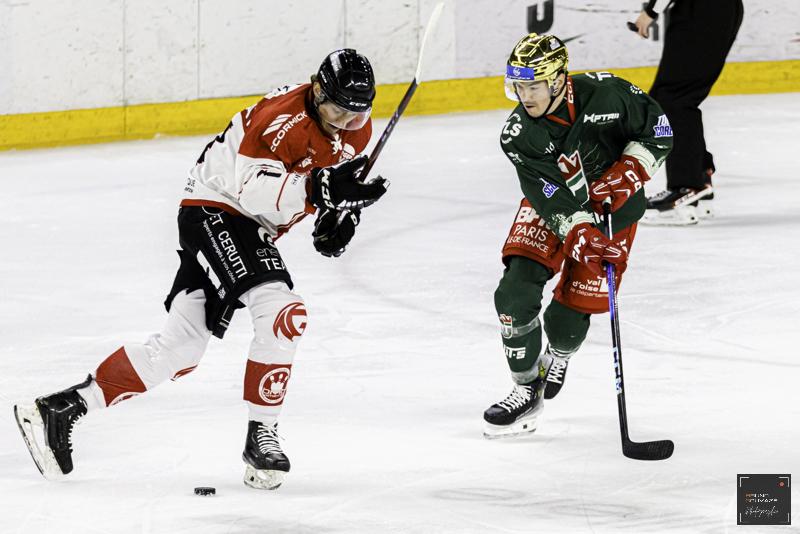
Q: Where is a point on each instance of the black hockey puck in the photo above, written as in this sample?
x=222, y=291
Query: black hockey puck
x=205, y=491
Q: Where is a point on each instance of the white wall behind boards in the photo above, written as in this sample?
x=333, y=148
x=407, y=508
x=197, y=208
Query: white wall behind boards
x=57, y=55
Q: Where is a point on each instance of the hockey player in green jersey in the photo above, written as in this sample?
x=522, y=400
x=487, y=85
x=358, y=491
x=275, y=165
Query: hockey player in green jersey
x=575, y=142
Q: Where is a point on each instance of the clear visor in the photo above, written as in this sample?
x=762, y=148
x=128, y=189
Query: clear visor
x=341, y=118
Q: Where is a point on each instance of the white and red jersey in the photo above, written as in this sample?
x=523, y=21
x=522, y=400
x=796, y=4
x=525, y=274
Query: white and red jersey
x=259, y=166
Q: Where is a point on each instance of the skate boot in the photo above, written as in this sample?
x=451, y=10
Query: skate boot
x=675, y=207
x=556, y=372
x=52, y=416
x=265, y=463
x=517, y=413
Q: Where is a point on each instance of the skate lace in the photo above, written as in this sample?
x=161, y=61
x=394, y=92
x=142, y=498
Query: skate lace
x=68, y=430
x=267, y=439
x=518, y=397
x=557, y=369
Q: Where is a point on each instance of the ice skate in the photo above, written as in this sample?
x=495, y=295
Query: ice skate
x=517, y=414
x=46, y=426
x=265, y=462
x=677, y=207
x=556, y=371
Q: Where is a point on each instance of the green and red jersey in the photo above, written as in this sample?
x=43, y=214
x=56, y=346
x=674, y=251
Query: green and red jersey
x=601, y=118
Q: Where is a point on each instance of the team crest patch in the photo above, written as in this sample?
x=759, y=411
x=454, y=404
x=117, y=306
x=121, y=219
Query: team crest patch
x=548, y=189
x=506, y=325
x=272, y=387
x=662, y=127
x=290, y=322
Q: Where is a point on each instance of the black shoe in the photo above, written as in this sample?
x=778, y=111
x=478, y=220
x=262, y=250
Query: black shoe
x=265, y=462
x=517, y=413
x=55, y=414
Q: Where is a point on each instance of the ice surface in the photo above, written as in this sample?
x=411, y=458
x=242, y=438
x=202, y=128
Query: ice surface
x=383, y=416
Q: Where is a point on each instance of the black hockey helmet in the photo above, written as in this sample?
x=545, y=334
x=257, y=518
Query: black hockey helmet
x=346, y=79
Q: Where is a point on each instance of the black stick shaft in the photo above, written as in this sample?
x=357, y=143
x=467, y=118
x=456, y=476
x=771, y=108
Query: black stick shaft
x=615, y=335
x=388, y=130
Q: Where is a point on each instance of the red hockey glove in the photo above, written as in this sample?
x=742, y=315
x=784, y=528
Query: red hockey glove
x=587, y=245
x=620, y=182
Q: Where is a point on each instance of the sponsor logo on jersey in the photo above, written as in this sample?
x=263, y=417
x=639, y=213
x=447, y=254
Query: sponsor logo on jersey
x=526, y=215
x=282, y=124
x=512, y=128
x=272, y=386
x=548, y=189
x=290, y=322
x=662, y=127
x=590, y=288
x=263, y=235
x=600, y=118
x=599, y=75
x=306, y=162
x=550, y=148
x=513, y=156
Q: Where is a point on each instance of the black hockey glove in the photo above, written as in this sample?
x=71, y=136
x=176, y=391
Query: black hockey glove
x=338, y=187
x=333, y=230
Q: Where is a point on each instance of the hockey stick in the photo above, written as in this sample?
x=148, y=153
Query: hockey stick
x=437, y=11
x=647, y=450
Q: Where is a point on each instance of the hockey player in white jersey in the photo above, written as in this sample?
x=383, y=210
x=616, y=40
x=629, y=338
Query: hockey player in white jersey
x=292, y=154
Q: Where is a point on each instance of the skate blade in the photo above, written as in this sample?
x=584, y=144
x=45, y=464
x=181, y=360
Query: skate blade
x=27, y=418
x=526, y=425
x=263, y=479
x=680, y=216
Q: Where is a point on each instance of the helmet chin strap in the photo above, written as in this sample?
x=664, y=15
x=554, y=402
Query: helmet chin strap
x=553, y=98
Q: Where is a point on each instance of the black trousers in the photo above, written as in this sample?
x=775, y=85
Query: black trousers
x=699, y=36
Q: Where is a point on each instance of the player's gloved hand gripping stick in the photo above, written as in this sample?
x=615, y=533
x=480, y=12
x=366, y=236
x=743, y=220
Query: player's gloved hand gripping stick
x=648, y=450
x=387, y=132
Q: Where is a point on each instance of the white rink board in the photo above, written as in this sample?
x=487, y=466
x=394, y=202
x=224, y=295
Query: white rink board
x=382, y=420
x=63, y=55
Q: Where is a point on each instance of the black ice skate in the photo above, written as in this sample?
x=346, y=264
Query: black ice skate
x=265, y=463
x=678, y=207
x=556, y=371
x=52, y=417
x=516, y=414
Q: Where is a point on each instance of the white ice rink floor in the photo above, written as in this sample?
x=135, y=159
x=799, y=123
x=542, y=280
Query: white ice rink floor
x=382, y=421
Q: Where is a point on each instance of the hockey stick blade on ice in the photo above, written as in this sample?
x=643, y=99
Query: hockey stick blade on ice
x=647, y=450
x=437, y=11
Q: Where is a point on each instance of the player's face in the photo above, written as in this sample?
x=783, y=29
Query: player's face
x=534, y=96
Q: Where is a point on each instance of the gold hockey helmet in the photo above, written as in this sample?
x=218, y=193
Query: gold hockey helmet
x=535, y=57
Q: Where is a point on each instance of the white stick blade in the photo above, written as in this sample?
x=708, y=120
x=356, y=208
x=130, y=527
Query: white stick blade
x=432, y=21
